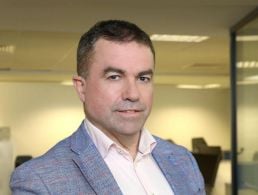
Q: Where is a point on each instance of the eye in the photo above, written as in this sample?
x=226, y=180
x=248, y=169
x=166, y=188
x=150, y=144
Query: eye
x=145, y=79
x=114, y=77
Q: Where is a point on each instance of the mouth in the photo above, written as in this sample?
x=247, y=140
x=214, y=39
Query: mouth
x=129, y=113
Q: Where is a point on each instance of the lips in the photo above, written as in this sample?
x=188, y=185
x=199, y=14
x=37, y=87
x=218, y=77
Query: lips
x=129, y=107
x=130, y=110
x=129, y=113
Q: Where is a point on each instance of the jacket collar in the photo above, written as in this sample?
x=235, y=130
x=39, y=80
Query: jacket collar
x=91, y=164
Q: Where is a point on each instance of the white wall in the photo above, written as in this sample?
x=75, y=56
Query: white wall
x=38, y=114
x=6, y=160
x=181, y=114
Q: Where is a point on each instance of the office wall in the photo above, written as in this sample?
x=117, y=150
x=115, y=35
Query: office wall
x=6, y=160
x=181, y=114
x=40, y=114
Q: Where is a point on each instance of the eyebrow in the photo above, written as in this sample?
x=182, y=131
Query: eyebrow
x=120, y=71
x=112, y=69
x=146, y=72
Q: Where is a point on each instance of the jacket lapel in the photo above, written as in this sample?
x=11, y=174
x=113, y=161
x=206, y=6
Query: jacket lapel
x=168, y=168
x=173, y=168
x=92, y=164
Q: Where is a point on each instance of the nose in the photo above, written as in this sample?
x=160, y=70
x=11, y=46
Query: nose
x=131, y=91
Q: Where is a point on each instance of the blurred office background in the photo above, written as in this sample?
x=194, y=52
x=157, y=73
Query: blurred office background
x=38, y=106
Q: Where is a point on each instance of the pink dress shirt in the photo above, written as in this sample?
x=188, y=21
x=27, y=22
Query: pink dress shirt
x=140, y=176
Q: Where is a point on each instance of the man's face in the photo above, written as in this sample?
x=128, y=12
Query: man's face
x=118, y=90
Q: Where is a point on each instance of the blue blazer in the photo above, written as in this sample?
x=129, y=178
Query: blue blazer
x=74, y=166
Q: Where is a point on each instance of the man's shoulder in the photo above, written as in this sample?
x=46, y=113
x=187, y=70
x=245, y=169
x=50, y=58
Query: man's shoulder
x=54, y=156
x=48, y=168
x=57, y=159
x=167, y=146
x=61, y=152
x=56, y=171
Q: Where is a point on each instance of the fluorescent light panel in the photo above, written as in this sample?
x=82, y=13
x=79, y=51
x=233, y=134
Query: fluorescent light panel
x=247, y=82
x=247, y=38
x=207, y=86
x=189, y=86
x=7, y=48
x=247, y=64
x=178, y=38
x=252, y=78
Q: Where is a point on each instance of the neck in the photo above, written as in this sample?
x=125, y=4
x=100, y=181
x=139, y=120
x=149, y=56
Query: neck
x=128, y=142
x=131, y=145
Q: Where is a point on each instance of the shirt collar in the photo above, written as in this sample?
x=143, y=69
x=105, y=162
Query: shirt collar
x=101, y=141
x=104, y=143
x=147, y=142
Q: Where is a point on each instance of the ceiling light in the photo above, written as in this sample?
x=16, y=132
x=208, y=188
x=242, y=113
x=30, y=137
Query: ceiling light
x=252, y=78
x=178, y=38
x=189, y=86
x=7, y=48
x=207, y=86
x=247, y=82
x=247, y=64
x=212, y=86
x=247, y=38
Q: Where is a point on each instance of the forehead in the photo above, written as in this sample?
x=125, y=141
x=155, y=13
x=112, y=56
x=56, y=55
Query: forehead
x=106, y=51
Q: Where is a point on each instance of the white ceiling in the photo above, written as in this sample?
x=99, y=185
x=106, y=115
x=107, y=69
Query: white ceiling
x=45, y=36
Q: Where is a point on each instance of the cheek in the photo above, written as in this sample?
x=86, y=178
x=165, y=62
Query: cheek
x=98, y=98
x=148, y=96
x=95, y=106
x=149, y=101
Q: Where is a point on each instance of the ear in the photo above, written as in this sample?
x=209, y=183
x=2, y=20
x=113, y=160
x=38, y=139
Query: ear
x=79, y=84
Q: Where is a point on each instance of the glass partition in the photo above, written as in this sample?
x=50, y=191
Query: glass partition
x=245, y=96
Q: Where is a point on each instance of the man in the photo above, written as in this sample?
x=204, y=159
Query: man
x=111, y=152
